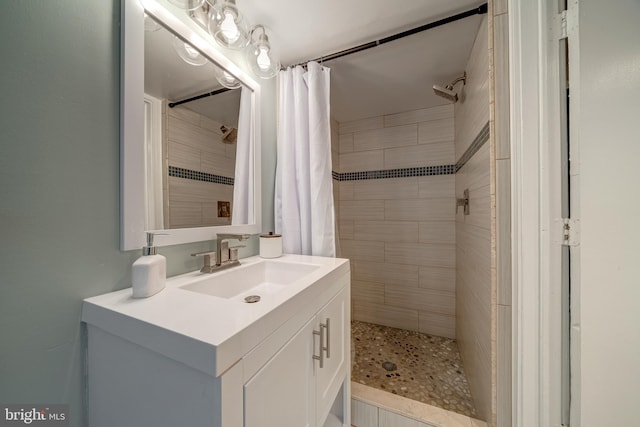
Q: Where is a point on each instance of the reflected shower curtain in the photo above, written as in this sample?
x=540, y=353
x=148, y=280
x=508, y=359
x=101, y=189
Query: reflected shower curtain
x=304, y=212
x=242, y=210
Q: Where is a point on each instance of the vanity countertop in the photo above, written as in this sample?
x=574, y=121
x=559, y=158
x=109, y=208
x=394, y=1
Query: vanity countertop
x=206, y=332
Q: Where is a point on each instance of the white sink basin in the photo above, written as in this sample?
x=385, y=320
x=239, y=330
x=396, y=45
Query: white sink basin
x=264, y=279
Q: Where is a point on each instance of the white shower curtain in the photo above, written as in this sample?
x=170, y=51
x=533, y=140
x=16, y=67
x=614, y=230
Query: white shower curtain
x=304, y=212
x=242, y=210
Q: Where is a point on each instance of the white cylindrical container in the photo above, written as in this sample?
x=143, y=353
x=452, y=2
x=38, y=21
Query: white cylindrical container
x=270, y=245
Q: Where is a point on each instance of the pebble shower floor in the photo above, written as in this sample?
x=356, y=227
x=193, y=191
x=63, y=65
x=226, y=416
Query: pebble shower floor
x=418, y=366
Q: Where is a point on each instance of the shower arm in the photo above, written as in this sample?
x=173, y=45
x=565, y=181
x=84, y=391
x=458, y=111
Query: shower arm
x=462, y=78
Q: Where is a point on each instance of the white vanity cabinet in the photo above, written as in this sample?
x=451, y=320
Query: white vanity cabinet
x=299, y=385
x=184, y=358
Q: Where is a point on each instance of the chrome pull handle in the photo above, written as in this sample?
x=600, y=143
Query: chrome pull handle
x=327, y=326
x=321, y=357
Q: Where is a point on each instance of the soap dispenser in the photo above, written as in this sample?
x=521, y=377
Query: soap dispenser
x=149, y=272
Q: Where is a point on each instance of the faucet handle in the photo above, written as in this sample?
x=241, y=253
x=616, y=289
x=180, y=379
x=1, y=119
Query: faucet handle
x=233, y=252
x=208, y=255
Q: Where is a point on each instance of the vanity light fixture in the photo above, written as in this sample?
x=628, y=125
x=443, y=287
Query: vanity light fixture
x=188, y=53
x=187, y=4
x=260, y=55
x=226, y=79
x=227, y=26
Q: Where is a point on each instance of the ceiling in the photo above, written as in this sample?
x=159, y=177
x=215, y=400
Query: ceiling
x=390, y=78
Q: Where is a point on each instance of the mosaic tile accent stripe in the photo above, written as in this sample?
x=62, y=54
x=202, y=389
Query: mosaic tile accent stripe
x=478, y=142
x=199, y=176
x=480, y=139
x=395, y=173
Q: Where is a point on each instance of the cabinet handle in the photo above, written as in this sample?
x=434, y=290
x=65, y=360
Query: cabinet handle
x=321, y=357
x=327, y=326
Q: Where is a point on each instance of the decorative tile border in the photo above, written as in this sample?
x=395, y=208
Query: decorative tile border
x=395, y=173
x=478, y=142
x=199, y=176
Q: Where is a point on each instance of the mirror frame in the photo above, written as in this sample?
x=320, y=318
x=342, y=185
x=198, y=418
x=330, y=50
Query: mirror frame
x=132, y=170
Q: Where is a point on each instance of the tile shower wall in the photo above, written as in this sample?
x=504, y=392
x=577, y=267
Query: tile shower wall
x=474, y=296
x=399, y=233
x=193, y=142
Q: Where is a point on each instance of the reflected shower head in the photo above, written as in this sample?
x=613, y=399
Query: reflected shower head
x=447, y=92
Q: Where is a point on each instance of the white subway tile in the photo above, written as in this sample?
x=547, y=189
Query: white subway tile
x=362, y=210
x=346, y=143
x=367, y=291
x=386, y=231
x=437, y=186
x=439, y=112
x=503, y=230
x=368, y=251
x=437, y=209
x=345, y=228
x=397, y=136
x=361, y=161
x=427, y=300
x=381, y=189
x=437, y=232
x=435, y=154
x=184, y=156
x=387, y=273
x=501, y=70
x=438, y=255
x=346, y=190
x=438, y=278
x=441, y=325
x=472, y=112
x=361, y=125
x=381, y=314
x=436, y=131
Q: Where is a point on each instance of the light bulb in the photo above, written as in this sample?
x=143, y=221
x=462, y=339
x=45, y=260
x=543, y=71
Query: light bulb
x=229, y=28
x=228, y=77
x=263, y=59
x=191, y=51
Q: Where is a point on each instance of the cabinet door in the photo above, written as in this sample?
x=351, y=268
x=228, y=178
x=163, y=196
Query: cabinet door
x=331, y=376
x=282, y=393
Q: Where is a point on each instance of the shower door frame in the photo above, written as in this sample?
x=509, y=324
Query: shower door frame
x=536, y=119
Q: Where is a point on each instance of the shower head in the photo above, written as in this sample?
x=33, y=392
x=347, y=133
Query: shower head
x=447, y=92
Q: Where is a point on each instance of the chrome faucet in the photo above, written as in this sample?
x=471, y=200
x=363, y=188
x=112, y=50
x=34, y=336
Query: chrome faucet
x=224, y=255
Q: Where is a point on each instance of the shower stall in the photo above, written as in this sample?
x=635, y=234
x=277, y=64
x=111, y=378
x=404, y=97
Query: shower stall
x=414, y=216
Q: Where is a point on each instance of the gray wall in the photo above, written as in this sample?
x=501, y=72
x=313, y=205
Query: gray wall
x=59, y=199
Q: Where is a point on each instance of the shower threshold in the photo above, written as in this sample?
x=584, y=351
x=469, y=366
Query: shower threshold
x=413, y=365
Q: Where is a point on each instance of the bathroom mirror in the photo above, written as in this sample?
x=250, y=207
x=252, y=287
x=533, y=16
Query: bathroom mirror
x=188, y=171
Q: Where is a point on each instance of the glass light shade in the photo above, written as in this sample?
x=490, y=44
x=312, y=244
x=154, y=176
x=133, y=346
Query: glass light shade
x=187, y=4
x=188, y=53
x=261, y=56
x=227, y=27
x=227, y=80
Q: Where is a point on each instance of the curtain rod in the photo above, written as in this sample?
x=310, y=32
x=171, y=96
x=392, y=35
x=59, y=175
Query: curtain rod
x=480, y=10
x=194, y=98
